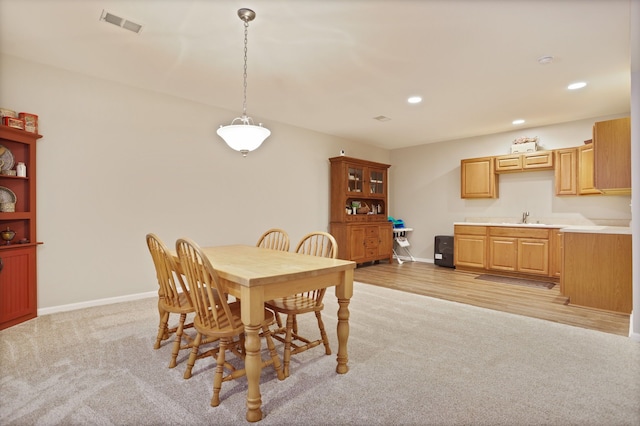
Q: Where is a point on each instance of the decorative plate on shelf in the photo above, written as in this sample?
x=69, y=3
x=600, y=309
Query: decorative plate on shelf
x=7, y=195
x=6, y=158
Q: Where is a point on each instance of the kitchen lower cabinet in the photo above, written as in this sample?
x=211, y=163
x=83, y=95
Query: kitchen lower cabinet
x=470, y=246
x=555, y=256
x=364, y=242
x=503, y=254
x=533, y=256
x=525, y=255
x=521, y=250
x=596, y=270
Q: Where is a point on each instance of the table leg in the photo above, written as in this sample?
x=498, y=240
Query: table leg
x=252, y=363
x=252, y=317
x=344, y=291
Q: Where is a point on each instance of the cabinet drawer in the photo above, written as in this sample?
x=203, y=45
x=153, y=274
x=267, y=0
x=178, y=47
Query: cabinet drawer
x=357, y=218
x=371, y=242
x=470, y=230
x=371, y=231
x=371, y=252
x=505, y=231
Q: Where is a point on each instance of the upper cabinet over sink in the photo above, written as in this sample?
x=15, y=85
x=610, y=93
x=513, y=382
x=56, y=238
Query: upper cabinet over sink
x=539, y=160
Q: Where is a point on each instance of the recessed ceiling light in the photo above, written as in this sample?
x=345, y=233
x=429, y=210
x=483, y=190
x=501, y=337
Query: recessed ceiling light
x=414, y=100
x=518, y=121
x=575, y=86
x=543, y=60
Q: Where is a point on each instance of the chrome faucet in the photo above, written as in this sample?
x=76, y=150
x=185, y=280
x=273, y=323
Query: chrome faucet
x=525, y=215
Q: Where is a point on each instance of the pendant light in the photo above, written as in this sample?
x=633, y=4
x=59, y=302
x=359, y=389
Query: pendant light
x=244, y=136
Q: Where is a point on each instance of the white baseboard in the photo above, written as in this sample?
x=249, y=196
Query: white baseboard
x=633, y=334
x=92, y=303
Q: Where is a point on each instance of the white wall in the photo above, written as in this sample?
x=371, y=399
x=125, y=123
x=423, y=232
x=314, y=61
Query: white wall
x=117, y=162
x=426, y=188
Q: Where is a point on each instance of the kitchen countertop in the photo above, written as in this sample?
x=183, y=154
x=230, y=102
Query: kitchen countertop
x=598, y=229
x=515, y=225
x=594, y=229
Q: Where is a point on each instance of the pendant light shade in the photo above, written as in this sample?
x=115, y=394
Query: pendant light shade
x=242, y=135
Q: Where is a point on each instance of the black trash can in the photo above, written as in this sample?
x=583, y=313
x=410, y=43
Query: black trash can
x=443, y=251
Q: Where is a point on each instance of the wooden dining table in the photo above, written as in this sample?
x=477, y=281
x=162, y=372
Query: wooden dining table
x=255, y=275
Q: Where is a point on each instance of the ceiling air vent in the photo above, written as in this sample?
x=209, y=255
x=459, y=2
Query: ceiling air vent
x=120, y=22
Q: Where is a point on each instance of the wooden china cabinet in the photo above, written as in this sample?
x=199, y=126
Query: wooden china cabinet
x=18, y=301
x=359, y=207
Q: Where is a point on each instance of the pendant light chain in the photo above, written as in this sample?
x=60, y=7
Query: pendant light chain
x=244, y=102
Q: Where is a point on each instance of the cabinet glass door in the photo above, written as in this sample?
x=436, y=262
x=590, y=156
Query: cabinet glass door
x=355, y=179
x=376, y=182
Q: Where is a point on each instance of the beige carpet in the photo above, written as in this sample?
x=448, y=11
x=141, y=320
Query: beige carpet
x=414, y=361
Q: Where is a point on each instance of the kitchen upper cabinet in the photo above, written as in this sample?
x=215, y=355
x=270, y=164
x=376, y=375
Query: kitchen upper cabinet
x=478, y=178
x=539, y=160
x=612, y=155
x=586, y=184
x=470, y=246
x=566, y=171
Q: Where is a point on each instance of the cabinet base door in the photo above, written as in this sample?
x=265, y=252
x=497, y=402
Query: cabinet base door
x=17, y=286
x=503, y=253
x=469, y=251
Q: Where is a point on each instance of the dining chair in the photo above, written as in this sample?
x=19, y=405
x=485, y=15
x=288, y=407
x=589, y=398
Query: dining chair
x=274, y=238
x=216, y=318
x=315, y=244
x=173, y=297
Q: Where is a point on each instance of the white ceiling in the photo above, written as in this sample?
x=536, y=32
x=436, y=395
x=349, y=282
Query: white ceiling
x=334, y=65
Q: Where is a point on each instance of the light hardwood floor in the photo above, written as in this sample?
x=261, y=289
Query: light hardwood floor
x=458, y=286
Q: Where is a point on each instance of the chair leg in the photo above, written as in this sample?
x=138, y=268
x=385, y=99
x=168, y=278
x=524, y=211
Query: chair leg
x=192, y=357
x=287, y=345
x=272, y=351
x=162, y=330
x=278, y=320
x=217, y=378
x=323, y=333
x=178, y=341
